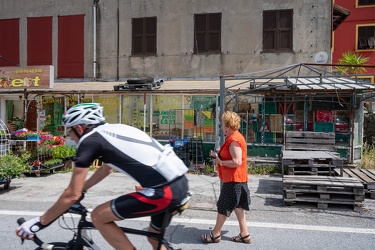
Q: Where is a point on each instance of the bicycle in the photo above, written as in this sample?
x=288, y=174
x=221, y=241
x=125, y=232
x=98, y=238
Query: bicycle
x=81, y=240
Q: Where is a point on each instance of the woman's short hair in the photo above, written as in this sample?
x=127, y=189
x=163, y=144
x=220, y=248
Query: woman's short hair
x=231, y=120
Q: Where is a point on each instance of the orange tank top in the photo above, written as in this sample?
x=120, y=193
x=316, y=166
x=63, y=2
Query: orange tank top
x=238, y=174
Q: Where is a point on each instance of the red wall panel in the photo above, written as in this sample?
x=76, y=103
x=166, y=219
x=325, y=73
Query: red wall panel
x=39, y=41
x=9, y=42
x=345, y=35
x=70, y=61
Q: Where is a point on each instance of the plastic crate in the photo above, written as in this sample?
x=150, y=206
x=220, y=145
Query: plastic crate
x=324, y=126
x=270, y=108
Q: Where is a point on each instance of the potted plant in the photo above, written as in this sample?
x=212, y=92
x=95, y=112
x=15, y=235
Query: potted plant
x=32, y=136
x=13, y=166
x=20, y=134
x=53, y=163
x=63, y=152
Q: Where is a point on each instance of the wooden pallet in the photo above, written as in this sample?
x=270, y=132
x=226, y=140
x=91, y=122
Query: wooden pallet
x=317, y=169
x=365, y=176
x=322, y=191
x=309, y=141
x=310, y=162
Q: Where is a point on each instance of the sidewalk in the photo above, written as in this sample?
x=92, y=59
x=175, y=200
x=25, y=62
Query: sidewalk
x=266, y=192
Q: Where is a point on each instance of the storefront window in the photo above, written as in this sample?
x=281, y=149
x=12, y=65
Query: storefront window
x=53, y=109
x=111, y=107
x=133, y=110
x=166, y=116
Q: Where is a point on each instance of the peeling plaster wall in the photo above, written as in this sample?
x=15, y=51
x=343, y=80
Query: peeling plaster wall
x=241, y=39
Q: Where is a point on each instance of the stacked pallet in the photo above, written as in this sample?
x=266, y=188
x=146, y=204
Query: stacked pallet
x=310, y=163
x=366, y=177
x=311, y=166
x=322, y=191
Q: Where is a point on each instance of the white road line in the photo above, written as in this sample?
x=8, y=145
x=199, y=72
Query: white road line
x=231, y=223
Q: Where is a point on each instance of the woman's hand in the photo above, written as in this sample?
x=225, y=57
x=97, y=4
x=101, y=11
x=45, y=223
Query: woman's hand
x=215, y=158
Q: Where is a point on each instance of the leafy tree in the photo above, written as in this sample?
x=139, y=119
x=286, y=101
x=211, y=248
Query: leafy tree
x=352, y=63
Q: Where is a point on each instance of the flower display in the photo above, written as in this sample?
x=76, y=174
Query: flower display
x=21, y=132
x=25, y=133
x=51, y=140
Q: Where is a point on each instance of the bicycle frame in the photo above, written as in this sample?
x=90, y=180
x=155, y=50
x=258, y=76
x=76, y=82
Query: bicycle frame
x=82, y=239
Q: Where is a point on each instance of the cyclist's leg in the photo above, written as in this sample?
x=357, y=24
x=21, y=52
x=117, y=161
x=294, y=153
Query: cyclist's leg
x=103, y=218
x=156, y=227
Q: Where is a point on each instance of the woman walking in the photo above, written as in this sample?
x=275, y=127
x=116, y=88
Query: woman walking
x=234, y=194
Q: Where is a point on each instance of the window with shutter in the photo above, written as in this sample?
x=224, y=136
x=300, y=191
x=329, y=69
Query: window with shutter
x=278, y=31
x=207, y=33
x=144, y=36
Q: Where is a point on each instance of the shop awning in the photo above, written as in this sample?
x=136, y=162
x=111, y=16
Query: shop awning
x=309, y=84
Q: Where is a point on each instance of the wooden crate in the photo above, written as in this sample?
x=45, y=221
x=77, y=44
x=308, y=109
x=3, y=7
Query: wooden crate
x=276, y=121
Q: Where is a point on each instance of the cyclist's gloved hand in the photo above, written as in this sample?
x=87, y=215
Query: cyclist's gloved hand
x=29, y=228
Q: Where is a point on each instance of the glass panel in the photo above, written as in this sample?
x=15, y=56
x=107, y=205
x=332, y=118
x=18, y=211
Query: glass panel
x=366, y=2
x=111, y=106
x=164, y=114
x=199, y=116
x=132, y=110
x=54, y=108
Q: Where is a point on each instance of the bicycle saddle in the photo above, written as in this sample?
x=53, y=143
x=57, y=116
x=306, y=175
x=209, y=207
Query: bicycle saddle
x=182, y=206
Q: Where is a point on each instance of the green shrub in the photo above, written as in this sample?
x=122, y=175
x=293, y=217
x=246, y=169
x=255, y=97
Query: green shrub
x=12, y=165
x=368, y=157
x=264, y=169
x=52, y=162
x=63, y=152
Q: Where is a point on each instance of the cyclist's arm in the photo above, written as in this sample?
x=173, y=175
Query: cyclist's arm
x=70, y=195
x=99, y=175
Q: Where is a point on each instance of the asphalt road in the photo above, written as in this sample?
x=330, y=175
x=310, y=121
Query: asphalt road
x=272, y=226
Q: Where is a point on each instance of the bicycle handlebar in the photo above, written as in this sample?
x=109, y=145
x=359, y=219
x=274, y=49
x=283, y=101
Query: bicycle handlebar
x=37, y=241
x=76, y=208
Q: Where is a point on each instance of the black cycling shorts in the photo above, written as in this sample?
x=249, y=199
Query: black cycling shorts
x=152, y=202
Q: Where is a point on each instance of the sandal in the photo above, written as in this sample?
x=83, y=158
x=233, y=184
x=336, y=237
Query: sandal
x=241, y=239
x=211, y=239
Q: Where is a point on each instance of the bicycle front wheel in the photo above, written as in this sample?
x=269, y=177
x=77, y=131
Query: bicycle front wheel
x=59, y=246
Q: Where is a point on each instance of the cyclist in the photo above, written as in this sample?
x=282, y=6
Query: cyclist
x=157, y=169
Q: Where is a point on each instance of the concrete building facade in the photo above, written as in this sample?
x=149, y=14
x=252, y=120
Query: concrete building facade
x=109, y=37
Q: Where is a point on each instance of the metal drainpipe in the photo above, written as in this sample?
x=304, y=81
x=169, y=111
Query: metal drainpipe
x=94, y=38
x=118, y=42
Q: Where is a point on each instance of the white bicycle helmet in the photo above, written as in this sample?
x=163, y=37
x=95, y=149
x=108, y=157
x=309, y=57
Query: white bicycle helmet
x=85, y=113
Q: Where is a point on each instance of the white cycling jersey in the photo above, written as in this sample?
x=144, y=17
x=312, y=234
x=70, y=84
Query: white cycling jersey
x=131, y=151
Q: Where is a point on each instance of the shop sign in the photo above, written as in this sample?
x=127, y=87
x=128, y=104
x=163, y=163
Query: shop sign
x=30, y=77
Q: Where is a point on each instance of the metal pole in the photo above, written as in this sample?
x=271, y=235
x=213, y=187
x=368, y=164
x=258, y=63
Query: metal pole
x=222, y=97
x=144, y=112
